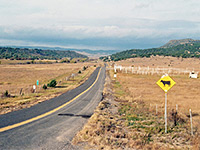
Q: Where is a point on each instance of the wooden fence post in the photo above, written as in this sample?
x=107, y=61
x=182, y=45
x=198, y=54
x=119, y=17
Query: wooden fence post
x=191, y=122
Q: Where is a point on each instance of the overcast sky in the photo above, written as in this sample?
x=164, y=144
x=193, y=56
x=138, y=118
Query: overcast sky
x=98, y=24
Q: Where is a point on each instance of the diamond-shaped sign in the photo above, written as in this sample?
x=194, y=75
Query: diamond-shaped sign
x=165, y=83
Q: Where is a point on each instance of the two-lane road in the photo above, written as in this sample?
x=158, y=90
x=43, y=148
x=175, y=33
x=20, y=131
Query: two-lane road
x=53, y=123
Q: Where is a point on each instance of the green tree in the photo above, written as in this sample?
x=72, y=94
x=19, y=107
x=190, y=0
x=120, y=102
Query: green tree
x=53, y=83
x=44, y=86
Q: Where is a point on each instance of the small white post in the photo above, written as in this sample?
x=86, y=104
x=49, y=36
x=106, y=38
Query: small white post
x=165, y=111
x=191, y=122
x=177, y=108
x=34, y=88
x=115, y=68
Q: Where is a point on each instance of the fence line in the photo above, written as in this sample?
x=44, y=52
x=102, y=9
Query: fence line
x=151, y=71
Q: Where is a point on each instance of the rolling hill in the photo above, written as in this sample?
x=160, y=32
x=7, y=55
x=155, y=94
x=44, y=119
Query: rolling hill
x=87, y=52
x=31, y=54
x=186, y=48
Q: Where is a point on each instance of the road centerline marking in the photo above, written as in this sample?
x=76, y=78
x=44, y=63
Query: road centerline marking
x=50, y=112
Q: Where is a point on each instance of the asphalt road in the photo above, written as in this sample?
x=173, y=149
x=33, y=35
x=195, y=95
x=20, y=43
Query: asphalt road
x=56, y=130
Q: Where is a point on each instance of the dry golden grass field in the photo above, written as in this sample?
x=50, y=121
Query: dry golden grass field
x=124, y=119
x=14, y=77
x=8, y=61
x=185, y=93
x=161, y=61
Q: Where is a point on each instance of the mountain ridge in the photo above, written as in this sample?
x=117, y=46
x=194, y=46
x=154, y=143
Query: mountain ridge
x=172, y=43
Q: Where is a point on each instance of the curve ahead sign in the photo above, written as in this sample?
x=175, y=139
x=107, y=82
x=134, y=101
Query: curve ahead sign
x=166, y=83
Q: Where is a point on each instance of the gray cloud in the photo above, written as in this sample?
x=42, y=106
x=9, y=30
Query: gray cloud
x=114, y=24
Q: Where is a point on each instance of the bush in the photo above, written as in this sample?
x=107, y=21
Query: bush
x=84, y=68
x=79, y=72
x=6, y=93
x=64, y=61
x=44, y=86
x=53, y=83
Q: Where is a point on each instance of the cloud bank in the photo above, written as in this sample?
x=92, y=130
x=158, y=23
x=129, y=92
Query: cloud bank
x=105, y=24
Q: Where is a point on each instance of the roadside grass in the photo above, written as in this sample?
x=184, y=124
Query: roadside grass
x=185, y=93
x=46, y=73
x=122, y=121
x=149, y=128
x=118, y=91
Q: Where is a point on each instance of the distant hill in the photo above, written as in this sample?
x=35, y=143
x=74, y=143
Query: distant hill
x=179, y=42
x=87, y=52
x=185, y=50
x=98, y=53
x=31, y=54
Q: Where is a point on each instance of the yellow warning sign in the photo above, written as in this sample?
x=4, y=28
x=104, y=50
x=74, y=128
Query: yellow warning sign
x=165, y=83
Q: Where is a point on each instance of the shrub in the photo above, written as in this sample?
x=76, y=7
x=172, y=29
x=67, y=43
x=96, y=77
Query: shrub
x=79, y=72
x=53, y=83
x=84, y=68
x=44, y=86
x=64, y=61
x=6, y=93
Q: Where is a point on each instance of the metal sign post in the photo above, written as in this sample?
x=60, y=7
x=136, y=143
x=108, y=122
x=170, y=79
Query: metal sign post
x=156, y=109
x=166, y=83
x=165, y=112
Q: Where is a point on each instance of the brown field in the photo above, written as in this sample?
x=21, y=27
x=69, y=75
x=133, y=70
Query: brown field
x=8, y=61
x=13, y=78
x=161, y=61
x=124, y=119
x=185, y=93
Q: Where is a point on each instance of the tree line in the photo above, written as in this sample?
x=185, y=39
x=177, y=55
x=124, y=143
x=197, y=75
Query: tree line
x=36, y=54
x=188, y=50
